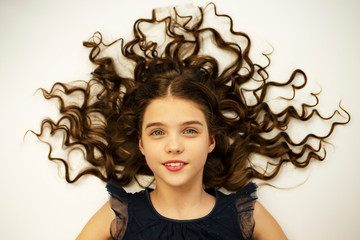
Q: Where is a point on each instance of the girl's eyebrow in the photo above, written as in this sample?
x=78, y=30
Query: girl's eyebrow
x=182, y=124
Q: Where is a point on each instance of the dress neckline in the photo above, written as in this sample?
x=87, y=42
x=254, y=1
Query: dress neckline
x=210, y=191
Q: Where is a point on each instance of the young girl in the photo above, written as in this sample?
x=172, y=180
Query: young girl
x=188, y=107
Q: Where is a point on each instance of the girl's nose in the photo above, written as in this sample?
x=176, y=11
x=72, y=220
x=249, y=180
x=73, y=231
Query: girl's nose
x=174, y=145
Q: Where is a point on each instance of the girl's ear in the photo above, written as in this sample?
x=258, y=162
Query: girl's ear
x=212, y=144
x=141, y=146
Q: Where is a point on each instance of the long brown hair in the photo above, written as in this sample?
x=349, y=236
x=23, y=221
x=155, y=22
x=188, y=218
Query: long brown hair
x=105, y=122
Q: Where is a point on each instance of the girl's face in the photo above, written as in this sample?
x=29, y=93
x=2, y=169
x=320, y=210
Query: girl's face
x=175, y=141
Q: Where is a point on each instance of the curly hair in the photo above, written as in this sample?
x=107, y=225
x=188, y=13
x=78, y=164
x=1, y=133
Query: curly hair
x=105, y=122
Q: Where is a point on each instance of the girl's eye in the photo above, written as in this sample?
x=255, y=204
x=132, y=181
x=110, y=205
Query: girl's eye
x=190, y=131
x=157, y=133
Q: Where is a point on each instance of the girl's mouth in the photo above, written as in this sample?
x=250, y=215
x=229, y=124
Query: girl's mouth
x=174, y=166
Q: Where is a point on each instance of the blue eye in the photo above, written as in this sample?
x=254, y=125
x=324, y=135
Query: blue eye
x=157, y=133
x=190, y=131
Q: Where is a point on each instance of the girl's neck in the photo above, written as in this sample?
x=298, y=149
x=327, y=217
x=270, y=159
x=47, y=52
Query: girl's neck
x=182, y=203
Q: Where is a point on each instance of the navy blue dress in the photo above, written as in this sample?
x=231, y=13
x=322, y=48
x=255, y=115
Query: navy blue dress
x=136, y=218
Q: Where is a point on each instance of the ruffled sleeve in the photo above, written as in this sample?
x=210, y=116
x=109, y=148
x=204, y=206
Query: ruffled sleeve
x=245, y=201
x=119, y=203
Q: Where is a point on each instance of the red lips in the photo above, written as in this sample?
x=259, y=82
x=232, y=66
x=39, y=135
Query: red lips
x=174, y=165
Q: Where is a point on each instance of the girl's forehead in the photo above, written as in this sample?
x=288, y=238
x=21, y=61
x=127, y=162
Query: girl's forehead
x=174, y=110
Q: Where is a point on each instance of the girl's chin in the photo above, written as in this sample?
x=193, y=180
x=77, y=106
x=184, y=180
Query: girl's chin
x=177, y=183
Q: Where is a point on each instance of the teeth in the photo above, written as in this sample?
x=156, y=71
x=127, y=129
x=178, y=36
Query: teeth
x=174, y=164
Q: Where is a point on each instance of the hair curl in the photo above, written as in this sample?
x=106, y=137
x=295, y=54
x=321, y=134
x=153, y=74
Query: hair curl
x=106, y=122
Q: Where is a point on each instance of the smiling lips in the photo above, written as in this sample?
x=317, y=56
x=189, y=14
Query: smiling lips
x=174, y=165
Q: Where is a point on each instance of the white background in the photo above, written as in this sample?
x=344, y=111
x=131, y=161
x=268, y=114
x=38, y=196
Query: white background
x=40, y=43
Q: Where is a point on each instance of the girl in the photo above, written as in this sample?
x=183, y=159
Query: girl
x=167, y=107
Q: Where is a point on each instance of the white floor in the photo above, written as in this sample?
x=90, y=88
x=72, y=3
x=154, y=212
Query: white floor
x=41, y=43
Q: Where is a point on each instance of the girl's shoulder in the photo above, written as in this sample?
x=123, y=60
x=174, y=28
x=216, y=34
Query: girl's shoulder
x=245, y=197
x=243, y=203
